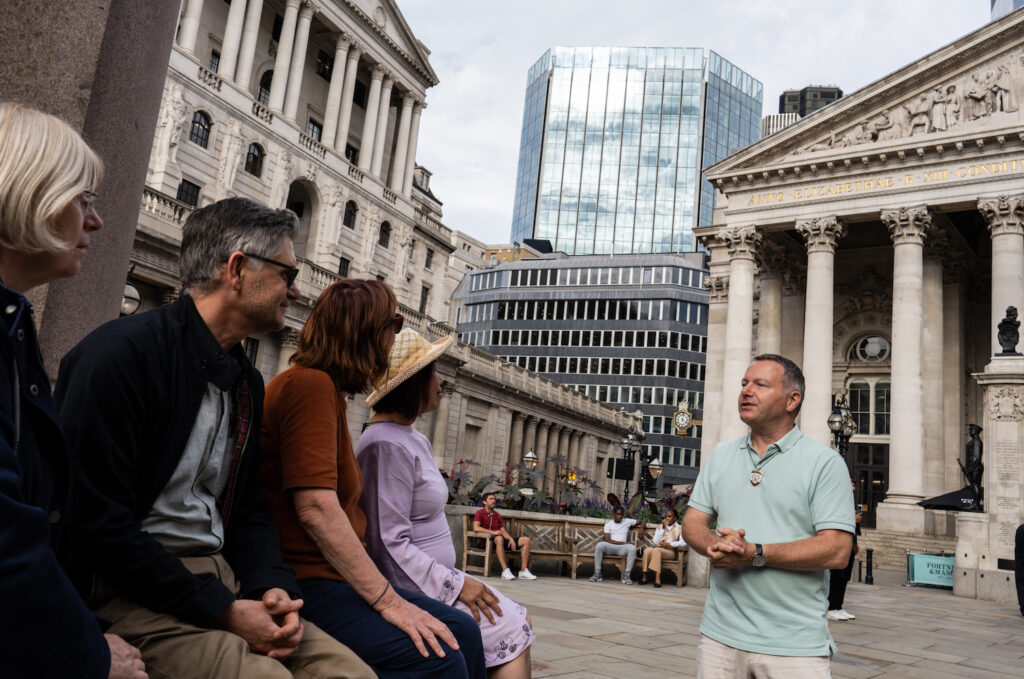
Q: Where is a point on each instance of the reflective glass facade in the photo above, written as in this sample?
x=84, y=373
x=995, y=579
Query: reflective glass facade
x=1001, y=8
x=613, y=142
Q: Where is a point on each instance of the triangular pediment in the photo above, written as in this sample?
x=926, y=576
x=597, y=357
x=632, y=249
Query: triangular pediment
x=969, y=88
x=384, y=17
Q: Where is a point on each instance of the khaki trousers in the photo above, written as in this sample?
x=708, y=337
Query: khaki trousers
x=654, y=555
x=717, y=661
x=174, y=649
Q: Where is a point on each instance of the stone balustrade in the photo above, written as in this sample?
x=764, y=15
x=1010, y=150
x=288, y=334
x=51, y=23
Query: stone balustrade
x=209, y=78
x=315, y=147
x=313, y=279
x=164, y=207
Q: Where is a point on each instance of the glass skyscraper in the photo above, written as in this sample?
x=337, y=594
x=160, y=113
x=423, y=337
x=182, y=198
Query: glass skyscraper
x=614, y=140
x=1001, y=8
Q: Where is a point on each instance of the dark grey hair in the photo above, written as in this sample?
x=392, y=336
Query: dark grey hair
x=792, y=377
x=212, y=233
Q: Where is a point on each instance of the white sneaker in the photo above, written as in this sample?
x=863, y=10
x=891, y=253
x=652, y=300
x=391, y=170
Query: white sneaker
x=507, y=575
x=525, y=574
x=847, y=615
x=835, y=615
x=595, y=578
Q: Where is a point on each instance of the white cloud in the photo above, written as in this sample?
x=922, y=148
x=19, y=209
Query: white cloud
x=482, y=50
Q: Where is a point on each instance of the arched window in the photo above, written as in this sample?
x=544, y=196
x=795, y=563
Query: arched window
x=263, y=95
x=871, y=349
x=254, y=160
x=200, y=132
x=350, y=214
x=385, y=234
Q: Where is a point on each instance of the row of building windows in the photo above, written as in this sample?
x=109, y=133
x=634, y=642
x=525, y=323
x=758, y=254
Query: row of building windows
x=199, y=134
x=673, y=455
x=652, y=396
x=651, y=339
x=658, y=424
x=643, y=275
x=627, y=367
x=589, y=310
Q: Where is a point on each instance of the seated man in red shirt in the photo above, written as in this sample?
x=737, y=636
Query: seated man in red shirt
x=486, y=520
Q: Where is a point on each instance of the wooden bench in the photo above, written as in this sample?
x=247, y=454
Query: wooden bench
x=587, y=537
x=548, y=542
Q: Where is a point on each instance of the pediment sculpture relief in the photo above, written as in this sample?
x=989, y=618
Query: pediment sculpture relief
x=990, y=92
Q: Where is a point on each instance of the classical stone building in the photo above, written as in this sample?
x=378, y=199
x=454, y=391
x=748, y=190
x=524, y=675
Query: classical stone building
x=316, y=106
x=878, y=242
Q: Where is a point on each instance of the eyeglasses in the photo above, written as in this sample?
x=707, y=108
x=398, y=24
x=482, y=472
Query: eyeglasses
x=291, y=272
x=398, y=321
x=86, y=199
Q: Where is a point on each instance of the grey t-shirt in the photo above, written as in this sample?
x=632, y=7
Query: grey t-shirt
x=184, y=518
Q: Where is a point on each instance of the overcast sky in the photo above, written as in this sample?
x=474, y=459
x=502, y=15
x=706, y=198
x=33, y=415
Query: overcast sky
x=482, y=49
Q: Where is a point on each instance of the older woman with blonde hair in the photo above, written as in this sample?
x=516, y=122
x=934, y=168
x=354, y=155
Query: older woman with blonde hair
x=48, y=182
x=313, y=487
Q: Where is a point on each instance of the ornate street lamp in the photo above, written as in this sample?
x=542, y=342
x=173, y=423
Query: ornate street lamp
x=131, y=300
x=841, y=424
x=530, y=462
x=630, y=447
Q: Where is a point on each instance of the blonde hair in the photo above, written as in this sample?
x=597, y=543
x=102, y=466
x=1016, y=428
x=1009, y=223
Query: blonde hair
x=44, y=165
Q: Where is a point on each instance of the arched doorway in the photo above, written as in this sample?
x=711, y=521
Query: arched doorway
x=304, y=201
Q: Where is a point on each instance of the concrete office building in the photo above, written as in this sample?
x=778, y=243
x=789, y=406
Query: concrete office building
x=614, y=141
x=773, y=122
x=628, y=330
x=808, y=100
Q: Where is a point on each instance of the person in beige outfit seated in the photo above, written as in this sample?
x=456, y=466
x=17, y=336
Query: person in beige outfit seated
x=668, y=538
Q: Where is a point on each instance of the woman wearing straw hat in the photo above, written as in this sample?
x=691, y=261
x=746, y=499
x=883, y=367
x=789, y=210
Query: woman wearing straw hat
x=313, y=487
x=404, y=497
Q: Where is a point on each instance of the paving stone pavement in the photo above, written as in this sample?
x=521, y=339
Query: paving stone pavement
x=608, y=630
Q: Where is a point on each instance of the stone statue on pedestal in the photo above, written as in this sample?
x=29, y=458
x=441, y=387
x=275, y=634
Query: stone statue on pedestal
x=1009, y=332
x=972, y=466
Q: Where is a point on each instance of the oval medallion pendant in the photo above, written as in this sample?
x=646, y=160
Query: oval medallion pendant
x=755, y=477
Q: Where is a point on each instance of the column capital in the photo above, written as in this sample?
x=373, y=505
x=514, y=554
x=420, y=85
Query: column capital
x=742, y=241
x=447, y=388
x=938, y=244
x=356, y=49
x=408, y=98
x=577, y=434
x=771, y=258
x=310, y=8
x=342, y=42
x=718, y=288
x=378, y=72
x=1004, y=214
x=908, y=224
x=518, y=417
x=821, y=233
x=292, y=3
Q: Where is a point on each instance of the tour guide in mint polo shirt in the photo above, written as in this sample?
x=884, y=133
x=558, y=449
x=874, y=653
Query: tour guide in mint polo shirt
x=785, y=516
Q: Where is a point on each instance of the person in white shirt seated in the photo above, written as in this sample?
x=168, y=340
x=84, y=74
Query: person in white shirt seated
x=668, y=538
x=616, y=542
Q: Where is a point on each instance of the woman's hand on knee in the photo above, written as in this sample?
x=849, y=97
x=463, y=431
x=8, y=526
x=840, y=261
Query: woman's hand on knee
x=479, y=597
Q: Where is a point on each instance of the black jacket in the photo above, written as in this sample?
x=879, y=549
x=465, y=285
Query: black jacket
x=43, y=622
x=129, y=394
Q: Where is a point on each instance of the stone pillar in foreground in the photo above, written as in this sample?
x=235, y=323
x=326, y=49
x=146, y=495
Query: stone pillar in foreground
x=742, y=242
x=1005, y=217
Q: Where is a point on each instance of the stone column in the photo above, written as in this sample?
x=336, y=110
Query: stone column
x=515, y=448
x=550, y=467
x=347, y=92
x=794, y=283
x=771, y=258
x=1005, y=216
x=439, y=438
x=900, y=513
x=541, y=451
x=529, y=440
x=742, y=242
x=821, y=235
x=410, y=159
x=954, y=367
x=232, y=39
x=247, y=50
x=933, y=392
x=298, y=61
x=289, y=343
x=282, y=63
x=383, y=113
x=718, y=298
x=189, y=29
x=402, y=143
x=574, y=449
x=370, y=121
x=341, y=46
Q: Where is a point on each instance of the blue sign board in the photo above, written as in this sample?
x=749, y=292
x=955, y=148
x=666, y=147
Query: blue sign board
x=931, y=569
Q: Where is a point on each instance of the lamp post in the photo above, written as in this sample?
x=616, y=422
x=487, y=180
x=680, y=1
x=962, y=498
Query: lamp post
x=131, y=300
x=530, y=462
x=654, y=468
x=842, y=425
x=630, y=447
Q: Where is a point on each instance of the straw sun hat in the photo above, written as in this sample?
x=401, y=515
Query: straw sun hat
x=409, y=354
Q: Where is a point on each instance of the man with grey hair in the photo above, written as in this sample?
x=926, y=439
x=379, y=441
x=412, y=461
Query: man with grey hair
x=162, y=412
x=784, y=510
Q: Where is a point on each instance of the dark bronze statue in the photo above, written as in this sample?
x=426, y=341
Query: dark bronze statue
x=972, y=466
x=1009, y=332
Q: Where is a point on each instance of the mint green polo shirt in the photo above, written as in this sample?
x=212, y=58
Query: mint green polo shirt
x=805, y=488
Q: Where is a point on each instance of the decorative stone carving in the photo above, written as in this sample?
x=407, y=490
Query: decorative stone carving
x=907, y=224
x=938, y=244
x=869, y=291
x=1008, y=333
x=1004, y=214
x=821, y=233
x=231, y=155
x=1006, y=403
x=283, y=176
x=742, y=241
x=957, y=103
x=771, y=258
x=718, y=288
x=174, y=116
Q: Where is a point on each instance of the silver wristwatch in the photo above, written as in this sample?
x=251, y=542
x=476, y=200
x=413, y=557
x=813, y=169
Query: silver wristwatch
x=758, y=561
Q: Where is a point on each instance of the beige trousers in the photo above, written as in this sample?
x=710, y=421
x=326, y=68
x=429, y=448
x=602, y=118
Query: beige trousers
x=174, y=649
x=654, y=555
x=717, y=661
